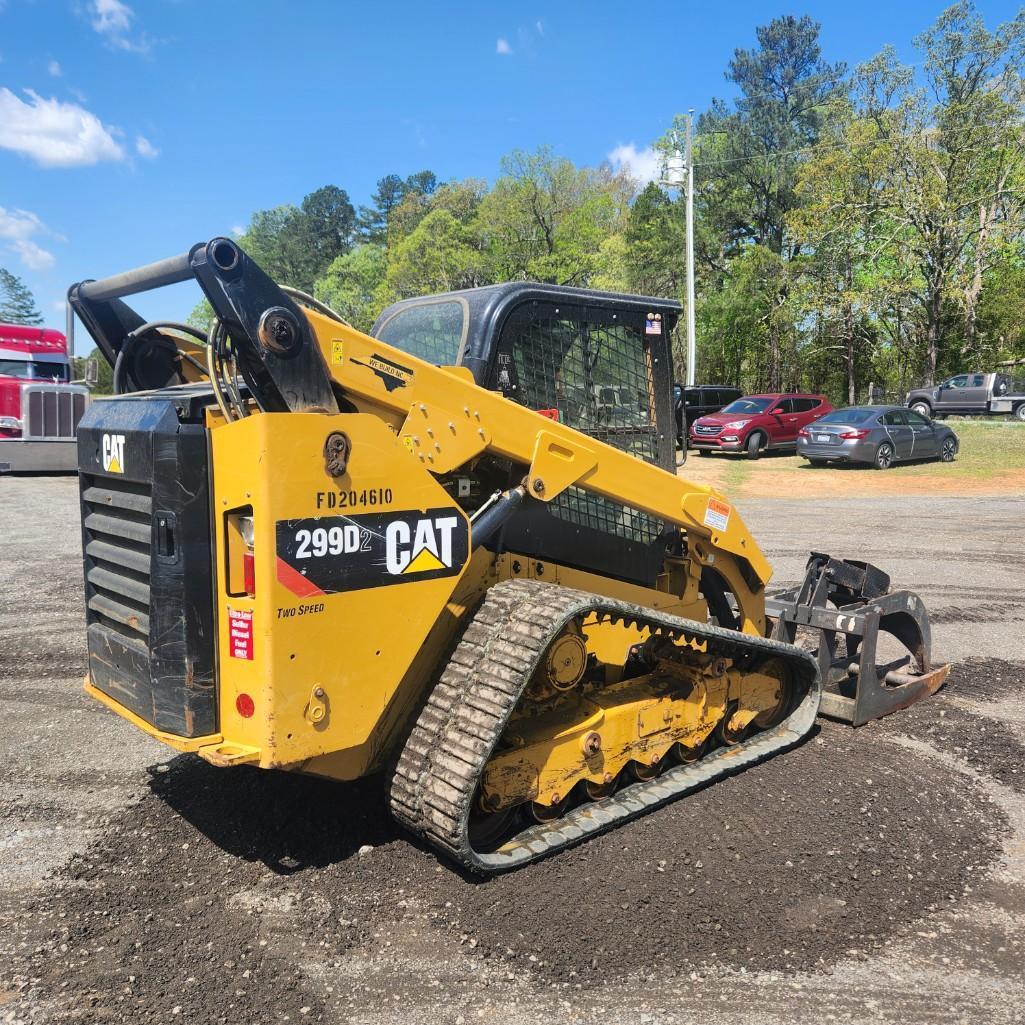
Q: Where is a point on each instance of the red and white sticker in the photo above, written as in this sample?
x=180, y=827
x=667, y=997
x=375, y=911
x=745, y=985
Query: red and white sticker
x=717, y=514
x=240, y=631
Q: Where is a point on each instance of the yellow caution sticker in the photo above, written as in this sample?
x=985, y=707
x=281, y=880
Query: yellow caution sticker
x=337, y=352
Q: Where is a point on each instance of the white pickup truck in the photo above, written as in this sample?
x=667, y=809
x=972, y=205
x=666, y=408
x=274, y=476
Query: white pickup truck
x=970, y=395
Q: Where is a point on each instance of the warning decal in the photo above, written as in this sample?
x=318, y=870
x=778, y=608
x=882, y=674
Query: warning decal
x=240, y=630
x=717, y=514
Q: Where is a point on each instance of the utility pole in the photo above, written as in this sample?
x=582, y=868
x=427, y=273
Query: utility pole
x=689, y=171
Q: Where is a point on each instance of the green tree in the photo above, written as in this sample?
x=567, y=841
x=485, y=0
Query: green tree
x=750, y=168
x=655, y=244
x=846, y=282
x=375, y=220
x=546, y=220
x=354, y=285
x=439, y=255
x=747, y=158
x=459, y=198
x=955, y=177
x=17, y=304
x=295, y=245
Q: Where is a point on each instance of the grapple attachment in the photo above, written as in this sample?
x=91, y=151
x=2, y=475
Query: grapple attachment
x=853, y=599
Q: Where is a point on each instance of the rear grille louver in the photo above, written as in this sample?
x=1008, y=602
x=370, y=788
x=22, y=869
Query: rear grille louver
x=117, y=522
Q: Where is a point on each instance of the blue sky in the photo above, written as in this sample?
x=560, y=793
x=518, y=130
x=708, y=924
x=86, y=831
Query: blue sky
x=130, y=130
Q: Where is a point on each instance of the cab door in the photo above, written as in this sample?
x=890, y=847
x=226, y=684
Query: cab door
x=952, y=394
x=784, y=423
x=924, y=443
x=807, y=410
x=899, y=433
x=975, y=394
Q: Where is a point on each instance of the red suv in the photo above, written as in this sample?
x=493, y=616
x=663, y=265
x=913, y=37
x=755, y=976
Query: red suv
x=756, y=423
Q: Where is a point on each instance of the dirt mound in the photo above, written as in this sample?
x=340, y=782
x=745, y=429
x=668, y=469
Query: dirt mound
x=991, y=747
x=837, y=846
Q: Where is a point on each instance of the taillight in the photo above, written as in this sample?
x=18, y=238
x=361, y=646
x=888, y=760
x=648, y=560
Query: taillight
x=854, y=435
x=240, y=537
x=245, y=524
x=249, y=573
x=804, y=433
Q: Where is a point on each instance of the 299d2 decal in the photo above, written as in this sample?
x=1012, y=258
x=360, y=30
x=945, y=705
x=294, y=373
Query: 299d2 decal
x=325, y=554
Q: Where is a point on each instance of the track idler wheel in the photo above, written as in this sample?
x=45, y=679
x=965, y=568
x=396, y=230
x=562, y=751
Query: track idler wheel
x=644, y=772
x=685, y=755
x=549, y=812
x=769, y=717
x=728, y=735
x=599, y=791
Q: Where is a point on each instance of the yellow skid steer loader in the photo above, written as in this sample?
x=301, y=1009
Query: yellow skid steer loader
x=454, y=551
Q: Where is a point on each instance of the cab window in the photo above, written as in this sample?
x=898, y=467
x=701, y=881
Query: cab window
x=594, y=374
x=433, y=331
x=15, y=368
x=916, y=419
x=961, y=381
x=978, y=380
x=783, y=406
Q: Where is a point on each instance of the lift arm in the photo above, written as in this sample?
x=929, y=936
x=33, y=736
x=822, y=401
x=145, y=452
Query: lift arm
x=297, y=360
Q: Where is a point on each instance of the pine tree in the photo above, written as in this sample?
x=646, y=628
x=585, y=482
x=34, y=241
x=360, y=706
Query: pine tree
x=17, y=304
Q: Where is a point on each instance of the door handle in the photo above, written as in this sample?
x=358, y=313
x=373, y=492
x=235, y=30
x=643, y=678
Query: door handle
x=792, y=420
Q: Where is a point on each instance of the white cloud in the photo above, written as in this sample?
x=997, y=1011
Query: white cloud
x=237, y=230
x=643, y=165
x=54, y=68
x=17, y=228
x=540, y=26
x=113, y=19
x=34, y=256
x=54, y=134
x=111, y=16
x=502, y=47
x=145, y=148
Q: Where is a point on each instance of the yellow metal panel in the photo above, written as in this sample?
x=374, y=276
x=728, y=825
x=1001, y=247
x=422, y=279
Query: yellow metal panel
x=556, y=463
x=355, y=645
x=618, y=475
x=171, y=739
x=443, y=439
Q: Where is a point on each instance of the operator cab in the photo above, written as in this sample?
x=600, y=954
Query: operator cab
x=599, y=362
x=596, y=361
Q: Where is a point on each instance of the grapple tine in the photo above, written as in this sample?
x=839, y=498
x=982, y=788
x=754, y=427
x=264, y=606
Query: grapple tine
x=852, y=598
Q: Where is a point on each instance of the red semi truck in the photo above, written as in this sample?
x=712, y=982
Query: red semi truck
x=39, y=405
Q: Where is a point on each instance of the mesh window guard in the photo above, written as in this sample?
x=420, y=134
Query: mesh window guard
x=598, y=376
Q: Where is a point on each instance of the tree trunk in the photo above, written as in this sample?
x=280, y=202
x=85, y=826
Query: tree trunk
x=932, y=336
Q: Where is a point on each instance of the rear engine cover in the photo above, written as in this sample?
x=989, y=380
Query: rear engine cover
x=146, y=546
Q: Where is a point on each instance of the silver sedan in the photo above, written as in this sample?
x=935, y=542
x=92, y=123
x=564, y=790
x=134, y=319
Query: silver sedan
x=877, y=435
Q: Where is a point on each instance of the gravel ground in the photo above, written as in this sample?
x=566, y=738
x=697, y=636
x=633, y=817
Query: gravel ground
x=870, y=875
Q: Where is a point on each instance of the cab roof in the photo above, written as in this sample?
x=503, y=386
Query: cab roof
x=488, y=306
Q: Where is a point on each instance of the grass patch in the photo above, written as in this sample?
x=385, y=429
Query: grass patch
x=737, y=471
x=987, y=449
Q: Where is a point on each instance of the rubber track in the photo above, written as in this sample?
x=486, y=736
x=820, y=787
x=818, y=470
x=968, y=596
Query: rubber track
x=434, y=781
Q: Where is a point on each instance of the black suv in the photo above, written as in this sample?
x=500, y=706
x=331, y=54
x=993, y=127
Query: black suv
x=697, y=400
